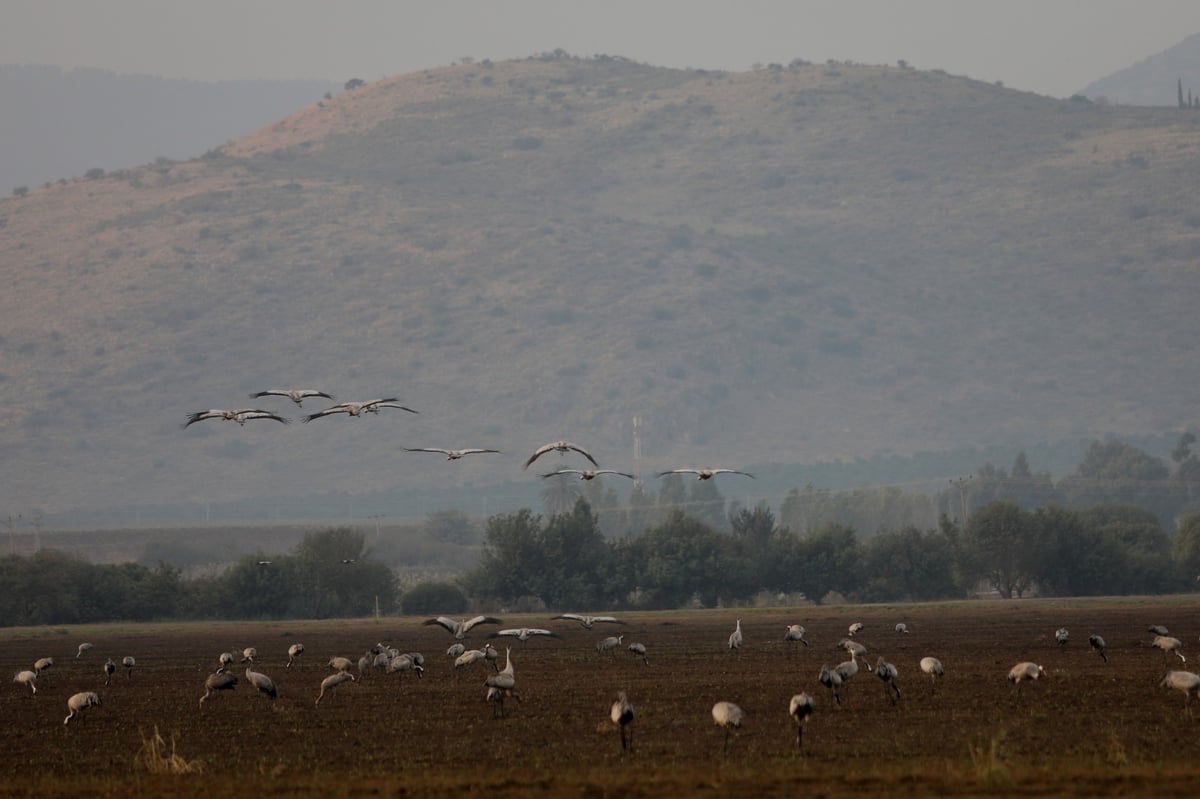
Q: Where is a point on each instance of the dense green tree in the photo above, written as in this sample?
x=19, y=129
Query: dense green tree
x=686, y=558
x=909, y=565
x=998, y=546
x=1143, y=563
x=513, y=563
x=576, y=560
x=1186, y=547
x=830, y=561
x=336, y=577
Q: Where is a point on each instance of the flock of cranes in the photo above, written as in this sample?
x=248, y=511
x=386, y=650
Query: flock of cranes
x=501, y=684
x=373, y=406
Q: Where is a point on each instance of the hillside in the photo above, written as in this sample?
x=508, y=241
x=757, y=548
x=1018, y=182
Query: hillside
x=818, y=262
x=61, y=123
x=1153, y=80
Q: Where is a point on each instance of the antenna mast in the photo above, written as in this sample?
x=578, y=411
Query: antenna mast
x=637, y=450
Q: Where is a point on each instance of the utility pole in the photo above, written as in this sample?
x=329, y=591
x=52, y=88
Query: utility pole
x=637, y=450
x=961, y=482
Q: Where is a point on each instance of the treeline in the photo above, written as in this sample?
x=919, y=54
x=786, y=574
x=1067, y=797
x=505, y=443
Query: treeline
x=328, y=575
x=1014, y=531
x=566, y=562
x=1110, y=473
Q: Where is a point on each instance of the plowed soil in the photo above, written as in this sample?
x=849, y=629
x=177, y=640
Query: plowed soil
x=1089, y=728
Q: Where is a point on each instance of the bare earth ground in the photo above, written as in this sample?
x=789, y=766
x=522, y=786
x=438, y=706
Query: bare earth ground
x=1090, y=729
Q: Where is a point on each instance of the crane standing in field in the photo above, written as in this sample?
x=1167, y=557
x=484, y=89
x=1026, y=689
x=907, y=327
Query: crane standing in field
x=735, y=637
x=27, y=678
x=128, y=662
x=84, y=647
x=333, y=681
x=219, y=680
x=933, y=667
x=78, y=703
x=262, y=682
x=800, y=708
x=294, y=652
x=639, y=650
x=889, y=674
x=1184, y=681
x=1168, y=645
x=610, y=644
x=729, y=716
x=41, y=664
x=1024, y=672
x=621, y=714
x=339, y=663
x=109, y=668
x=502, y=683
x=792, y=634
x=847, y=668
x=1097, y=643
x=831, y=680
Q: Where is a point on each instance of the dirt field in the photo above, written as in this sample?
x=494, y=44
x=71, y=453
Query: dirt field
x=1088, y=729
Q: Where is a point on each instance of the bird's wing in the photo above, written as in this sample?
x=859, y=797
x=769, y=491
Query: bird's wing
x=731, y=471
x=505, y=632
x=476, y=450
x=610, y=619
x=326, y=412
x=562, y=471
x=583, y=452
x=469, y=623
x=539, y=452
x=449, y=624
x=426, y=449
x=309, y=392
x=574, y=616
x=539, y=631
x=200, y=416
x=679, y=471
x=371, y=403
x=613, y=471
x=263, y=415
x=269, y=393
x=390, y=404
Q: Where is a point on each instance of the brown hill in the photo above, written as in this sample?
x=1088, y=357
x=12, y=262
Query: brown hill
x=787, y=265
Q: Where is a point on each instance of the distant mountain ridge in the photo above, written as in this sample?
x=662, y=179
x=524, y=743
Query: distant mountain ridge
x=1153, y=80
x=60, y=123
x=813, y=263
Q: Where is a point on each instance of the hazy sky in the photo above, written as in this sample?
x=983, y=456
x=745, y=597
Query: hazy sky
x=1053, y=47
